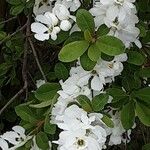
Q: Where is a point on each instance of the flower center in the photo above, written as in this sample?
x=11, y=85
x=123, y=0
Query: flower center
x=80, y=142
x=50, y=29
x=115, y=24
x=110, y=65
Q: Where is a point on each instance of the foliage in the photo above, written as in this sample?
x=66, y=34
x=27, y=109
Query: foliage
x=24, y=61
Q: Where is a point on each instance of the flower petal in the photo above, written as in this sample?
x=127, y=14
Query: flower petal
x=38, y=28
x=96, y=84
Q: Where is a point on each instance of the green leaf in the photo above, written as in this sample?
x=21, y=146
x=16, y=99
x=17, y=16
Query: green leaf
x=42, y=141
x=99, y=101
x=93, y=52
x=130, y=82
x=75, y=36
x=45, y=103
x=108, y=121
x=128, y=115
x=85, y=20
x=15, y=10
x=41, y=105
x=61, y=71
x=84, y=102
x=87, y=35
x=28, y=125
x=26, y=113
x=110, y=45
x=2, y=35
x=146, y=146
x=146, y=39
x=4, y=68
x=48, y=127
x=117, y=94
x=142, y=29
x=106, y=57
x=102, y=30
x=143, y=94
x=145, y=72
x=86, y=62
x=28, y=144
x=135, y=58
x=14, y=2
x=73, y=51
x=47, y=91
x=143, y=112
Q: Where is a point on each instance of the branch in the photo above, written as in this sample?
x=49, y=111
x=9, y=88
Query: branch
x=36, y=58
x=12, y=99
x=10, y=19
x=11, y=35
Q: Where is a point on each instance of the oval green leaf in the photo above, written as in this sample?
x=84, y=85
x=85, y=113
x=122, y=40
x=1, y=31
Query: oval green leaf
x=85, y=20
x=86, y=62
x=110, y=45
x=99, y=101
x=73, y=51
x=93, y=52
x=128, y=115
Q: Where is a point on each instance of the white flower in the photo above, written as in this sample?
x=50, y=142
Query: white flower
x=42, y=6
x=65, y=25
x=78, y=140
x=73, y=5
x=64, y=15
x=126, y=33
x=118, y=8
x=99, y=11
x=77, y=83
x=120, y=17
x=3, y=144
x=45, y=26
x=117, y=132
x=17, y=138
x=80, y=131
x=39, y=83
x=82, y=82
x=75, y=118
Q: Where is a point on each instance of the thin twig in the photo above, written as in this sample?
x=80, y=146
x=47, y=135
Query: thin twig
x=36, y=58
x=10, y=19
x=11, y=35
x=12, y=99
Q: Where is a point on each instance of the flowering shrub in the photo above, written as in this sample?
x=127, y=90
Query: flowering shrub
x=92, y=92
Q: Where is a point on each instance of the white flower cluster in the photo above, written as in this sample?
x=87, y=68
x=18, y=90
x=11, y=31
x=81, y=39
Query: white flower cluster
x=83, y=131
x=42, y=6
x=83, y=82
x=120, y=17
x=118, y=134
x=17, y=138
x=80, y=131
x=50, y=20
